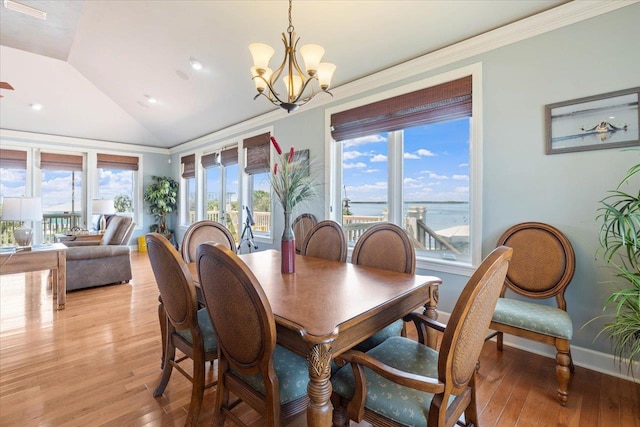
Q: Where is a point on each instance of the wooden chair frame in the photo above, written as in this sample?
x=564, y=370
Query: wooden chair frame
x=457, y=358
x=326, y=240
x=178, y=310
x=521, y=280
x=302, y=225
x=245, y=346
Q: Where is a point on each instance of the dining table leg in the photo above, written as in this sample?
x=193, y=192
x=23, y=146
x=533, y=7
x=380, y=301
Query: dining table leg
x=431, y=311
x=319, y=410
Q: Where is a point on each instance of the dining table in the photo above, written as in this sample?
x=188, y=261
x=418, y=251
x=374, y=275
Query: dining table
x=327, y=307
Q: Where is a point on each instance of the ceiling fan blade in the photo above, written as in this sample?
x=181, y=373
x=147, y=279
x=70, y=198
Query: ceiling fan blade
x=5, y=85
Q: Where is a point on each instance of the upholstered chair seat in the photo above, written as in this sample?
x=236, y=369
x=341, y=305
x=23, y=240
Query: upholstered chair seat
x=292, y=372
x=533, y=317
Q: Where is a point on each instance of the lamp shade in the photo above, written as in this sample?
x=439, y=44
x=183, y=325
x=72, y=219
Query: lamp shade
x=22, y=209
x=103, y=206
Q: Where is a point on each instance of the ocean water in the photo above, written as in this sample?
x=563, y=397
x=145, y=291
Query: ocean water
x=439, y=215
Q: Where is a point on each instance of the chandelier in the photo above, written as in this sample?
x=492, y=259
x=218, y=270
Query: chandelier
x=296, y=81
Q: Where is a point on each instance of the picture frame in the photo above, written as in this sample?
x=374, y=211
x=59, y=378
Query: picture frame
x=609, y=120
x=303, y=157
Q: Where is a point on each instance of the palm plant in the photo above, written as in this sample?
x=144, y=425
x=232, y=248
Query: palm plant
x=620, y=245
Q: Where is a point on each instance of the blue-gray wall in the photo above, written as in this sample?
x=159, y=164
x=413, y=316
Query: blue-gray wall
x=520, y=182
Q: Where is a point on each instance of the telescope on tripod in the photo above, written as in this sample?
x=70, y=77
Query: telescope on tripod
x=247, y=232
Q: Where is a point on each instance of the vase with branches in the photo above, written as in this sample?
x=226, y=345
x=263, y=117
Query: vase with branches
x=292, y=183
x=619, y=214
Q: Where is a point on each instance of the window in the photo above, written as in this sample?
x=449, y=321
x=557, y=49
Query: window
x=257, y=168
x=188, y=164
x=13, y=183
x=406, y=159
x=230, y=186
x=62, y=190
x=117, y=180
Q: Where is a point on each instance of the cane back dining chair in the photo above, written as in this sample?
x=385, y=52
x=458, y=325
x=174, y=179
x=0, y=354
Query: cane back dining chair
x=301, y=227
x=187, y=328
x=385, y=246
x=326, y=240
x=268, y=377
x=543, y=265
x=404, y=382
x=204, y=231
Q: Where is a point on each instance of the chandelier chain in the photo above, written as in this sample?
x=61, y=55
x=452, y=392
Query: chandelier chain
x=290, y=27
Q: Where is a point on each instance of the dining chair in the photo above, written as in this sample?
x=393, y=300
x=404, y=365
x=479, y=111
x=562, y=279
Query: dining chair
x=186, y=328
x=204, y=231
x=200, y=232
x=326, y=240
x=301, y=227
x=268, y=377
x=542, y=267
x=405, y=382
x=385, y=246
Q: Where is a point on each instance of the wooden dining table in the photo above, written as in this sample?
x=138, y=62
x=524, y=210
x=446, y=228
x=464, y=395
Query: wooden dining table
x=327, y=307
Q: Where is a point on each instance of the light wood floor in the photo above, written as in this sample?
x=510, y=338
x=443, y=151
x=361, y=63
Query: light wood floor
x=97, y=362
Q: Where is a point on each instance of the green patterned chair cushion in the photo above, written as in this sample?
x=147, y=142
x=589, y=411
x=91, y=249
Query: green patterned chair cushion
x=292, y=371
x=533, y=317
x=210, y=341
x=393, y=330
x=401, y=404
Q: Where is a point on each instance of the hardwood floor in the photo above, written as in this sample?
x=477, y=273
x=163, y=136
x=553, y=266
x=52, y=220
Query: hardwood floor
x=97, y=362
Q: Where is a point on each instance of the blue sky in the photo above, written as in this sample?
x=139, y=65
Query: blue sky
x=436, y=164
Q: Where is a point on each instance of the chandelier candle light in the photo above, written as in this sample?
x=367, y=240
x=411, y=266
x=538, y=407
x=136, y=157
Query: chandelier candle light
x=296, y=81
x=292, y=184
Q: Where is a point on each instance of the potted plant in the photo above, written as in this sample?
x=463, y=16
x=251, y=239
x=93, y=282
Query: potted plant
x=619, y=214
x=162, y=196
x=123, y=203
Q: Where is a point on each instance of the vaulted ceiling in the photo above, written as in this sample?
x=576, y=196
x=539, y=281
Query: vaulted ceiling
x=93, y=64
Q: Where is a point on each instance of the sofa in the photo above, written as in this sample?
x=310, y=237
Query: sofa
x=108, y=261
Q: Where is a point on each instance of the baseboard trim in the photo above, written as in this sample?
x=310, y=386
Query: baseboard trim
x=603, y=363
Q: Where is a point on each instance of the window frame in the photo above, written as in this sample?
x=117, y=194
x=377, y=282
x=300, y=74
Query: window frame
x=333, y=166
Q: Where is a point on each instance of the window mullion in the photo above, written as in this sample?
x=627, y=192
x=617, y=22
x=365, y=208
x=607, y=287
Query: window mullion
x=395, y=179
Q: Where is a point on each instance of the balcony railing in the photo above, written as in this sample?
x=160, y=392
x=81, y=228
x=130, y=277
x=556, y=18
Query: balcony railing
x=52, y=224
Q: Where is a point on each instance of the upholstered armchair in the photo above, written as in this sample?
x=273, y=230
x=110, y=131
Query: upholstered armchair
x=100, y=263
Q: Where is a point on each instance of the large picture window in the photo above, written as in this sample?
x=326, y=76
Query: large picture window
x=117, y=181
x=406, y=159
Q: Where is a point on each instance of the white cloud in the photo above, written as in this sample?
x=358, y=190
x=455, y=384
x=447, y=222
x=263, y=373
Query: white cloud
x=461, y=177
x=411, y=183
x=434, y=175
x=463, y=165
x=425, y=153
x=363, y=140
x=372, y=170
x=353, y=165
x=378, y=158
x=350, y=155
x=411, y=156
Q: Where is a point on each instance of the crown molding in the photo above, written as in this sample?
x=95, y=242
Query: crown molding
x=553, y=19
x=37, y=139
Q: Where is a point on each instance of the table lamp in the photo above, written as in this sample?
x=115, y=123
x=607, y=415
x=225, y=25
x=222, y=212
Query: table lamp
x=103, y=207
x=22, y=209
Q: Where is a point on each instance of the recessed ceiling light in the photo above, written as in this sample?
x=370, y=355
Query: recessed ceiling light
x=27, y=10
x=150, y=99
x=195, y=64
x=36, y=107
